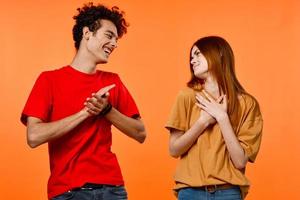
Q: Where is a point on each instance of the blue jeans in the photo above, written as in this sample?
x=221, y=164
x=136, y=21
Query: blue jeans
x=200, y=194
x=104, y=193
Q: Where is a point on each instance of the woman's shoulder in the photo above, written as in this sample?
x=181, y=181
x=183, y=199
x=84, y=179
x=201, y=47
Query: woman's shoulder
x=248, y=100
x=186, y=93
x=249, y=105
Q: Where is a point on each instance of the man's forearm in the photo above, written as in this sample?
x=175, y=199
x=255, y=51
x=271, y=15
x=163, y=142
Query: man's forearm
x=133, y=128
x=39, y=132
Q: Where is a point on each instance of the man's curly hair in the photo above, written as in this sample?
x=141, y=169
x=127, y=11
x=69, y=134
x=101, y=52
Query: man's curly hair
x=90, y=15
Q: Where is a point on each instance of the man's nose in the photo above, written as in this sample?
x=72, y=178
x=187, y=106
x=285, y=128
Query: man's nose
x=114, y=43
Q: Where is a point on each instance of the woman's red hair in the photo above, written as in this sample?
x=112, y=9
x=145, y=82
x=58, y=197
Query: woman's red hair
x=220, y=59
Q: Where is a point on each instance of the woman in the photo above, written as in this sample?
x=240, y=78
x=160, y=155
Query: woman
x=215, y=127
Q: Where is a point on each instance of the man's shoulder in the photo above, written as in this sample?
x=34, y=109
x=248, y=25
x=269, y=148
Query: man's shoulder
x=54, y=71
x=108, y=75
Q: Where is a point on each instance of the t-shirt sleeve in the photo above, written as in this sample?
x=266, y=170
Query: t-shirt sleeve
x=178, y=116
x=125, y=103
x=250, y=133
x=39, y=101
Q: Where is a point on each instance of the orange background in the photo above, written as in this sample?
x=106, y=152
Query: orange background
x=152, y=60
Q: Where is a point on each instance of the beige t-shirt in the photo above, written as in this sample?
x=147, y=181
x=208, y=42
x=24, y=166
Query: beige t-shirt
x=208, y=162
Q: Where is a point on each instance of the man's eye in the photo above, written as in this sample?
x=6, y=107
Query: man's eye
x=109, y=36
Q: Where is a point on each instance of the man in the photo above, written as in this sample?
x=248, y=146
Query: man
x=72, y=109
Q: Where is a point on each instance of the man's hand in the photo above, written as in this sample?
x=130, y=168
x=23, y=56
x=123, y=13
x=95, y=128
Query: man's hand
x=103, y=91
x=99, y=100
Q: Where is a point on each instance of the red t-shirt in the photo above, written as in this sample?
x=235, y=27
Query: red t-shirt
x=83, y=155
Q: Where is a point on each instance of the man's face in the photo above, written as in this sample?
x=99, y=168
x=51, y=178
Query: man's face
x=102, y=42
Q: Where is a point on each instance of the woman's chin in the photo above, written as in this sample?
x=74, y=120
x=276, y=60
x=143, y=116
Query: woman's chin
x=200, y=75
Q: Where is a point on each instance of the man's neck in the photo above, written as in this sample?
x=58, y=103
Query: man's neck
x=83, y=63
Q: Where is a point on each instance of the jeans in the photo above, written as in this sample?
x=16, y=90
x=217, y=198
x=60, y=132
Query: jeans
x=190, y=193
x=104, y=193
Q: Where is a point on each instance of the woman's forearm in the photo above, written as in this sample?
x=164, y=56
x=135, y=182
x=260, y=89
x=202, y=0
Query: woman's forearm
x=236, y=151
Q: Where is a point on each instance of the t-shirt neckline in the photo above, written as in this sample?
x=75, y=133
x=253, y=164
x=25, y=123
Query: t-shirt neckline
x=80, y=73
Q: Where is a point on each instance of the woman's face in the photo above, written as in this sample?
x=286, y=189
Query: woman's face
x=199, y=63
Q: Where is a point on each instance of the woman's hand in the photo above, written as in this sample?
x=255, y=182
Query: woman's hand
x=204, y=116
x=216, y=108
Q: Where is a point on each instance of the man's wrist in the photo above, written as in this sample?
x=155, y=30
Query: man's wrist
x=84, y=113
x=105, y=110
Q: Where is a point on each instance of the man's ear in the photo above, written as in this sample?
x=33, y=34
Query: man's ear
x=86, y=33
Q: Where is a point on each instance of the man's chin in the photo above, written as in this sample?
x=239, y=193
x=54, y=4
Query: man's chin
x=102, y=61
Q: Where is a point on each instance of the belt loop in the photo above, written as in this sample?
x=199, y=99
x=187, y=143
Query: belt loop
x=211, y=188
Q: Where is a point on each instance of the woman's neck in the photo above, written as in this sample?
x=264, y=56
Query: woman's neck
x=211, y=86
